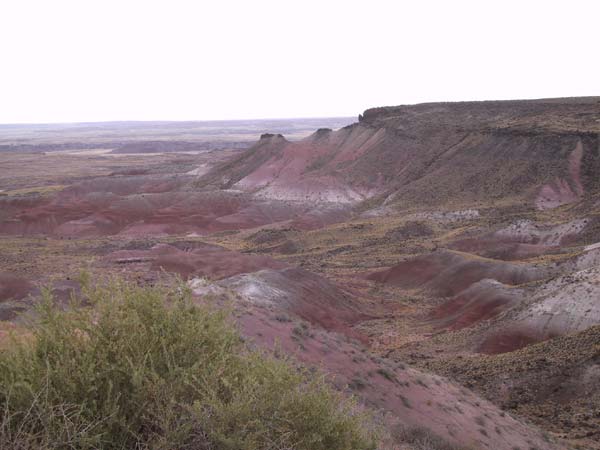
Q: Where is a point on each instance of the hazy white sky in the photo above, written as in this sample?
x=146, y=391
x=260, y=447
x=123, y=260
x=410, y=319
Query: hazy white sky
x=99, y=60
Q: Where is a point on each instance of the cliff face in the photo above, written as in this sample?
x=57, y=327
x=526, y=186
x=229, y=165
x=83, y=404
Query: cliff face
x=530, y=116
x=543, y=151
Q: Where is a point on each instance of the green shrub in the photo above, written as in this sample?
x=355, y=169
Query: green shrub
x=145, y=368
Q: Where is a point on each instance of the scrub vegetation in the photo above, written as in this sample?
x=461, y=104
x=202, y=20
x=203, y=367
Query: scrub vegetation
x=146, y=368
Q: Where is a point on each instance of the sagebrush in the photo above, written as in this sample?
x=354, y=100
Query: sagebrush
x=146, y=368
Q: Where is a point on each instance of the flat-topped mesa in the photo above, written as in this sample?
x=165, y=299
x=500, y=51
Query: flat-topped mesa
x=580, y=114
x=541, y=152
x=272, y=136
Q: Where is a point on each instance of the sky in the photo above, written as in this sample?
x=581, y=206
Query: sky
x=88, y=60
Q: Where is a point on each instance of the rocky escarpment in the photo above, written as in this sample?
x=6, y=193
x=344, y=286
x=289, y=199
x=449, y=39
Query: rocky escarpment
x=577, y=114
x=543, y=151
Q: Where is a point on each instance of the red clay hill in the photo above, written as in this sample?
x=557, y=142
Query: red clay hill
x=544, y=151
x=541, y=152
x=460, y=238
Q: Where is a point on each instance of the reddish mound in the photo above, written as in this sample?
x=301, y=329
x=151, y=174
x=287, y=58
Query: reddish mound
x=17, y=288
x=13, y=287
x=561, y=191
x=303, y=170
x=410, y=155
x=482, y=300
x=447, y=273
x=152, y=205
x=321, y=302
x=523, y=239
x=507, y=341
x=197, y=260
x=408, y=396
x=563, y=305
x=138, y=213
x=303, y=293
x=410, y=273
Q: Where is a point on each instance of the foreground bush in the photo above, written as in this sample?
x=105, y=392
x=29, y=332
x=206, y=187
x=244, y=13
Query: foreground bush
x=144, y=368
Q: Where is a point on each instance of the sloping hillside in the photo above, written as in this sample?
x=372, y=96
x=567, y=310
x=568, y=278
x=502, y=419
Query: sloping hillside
x=543, y=151
x=421, y=249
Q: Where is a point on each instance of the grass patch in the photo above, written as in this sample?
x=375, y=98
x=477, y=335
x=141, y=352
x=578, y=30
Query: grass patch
x=145, y=368
x=39, y=190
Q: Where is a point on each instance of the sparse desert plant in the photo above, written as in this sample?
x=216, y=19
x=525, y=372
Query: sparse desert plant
x=145, y=368
x=405, y=401
x=422, y=439
x=385, y=373
x=420, y=382
x=301, y=331
x=357, y=383
x=282, y=318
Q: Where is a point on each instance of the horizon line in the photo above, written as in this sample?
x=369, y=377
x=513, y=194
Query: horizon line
x=70, y=122
x=85, y=122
